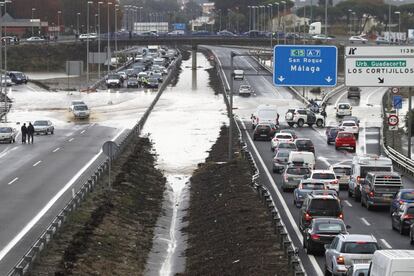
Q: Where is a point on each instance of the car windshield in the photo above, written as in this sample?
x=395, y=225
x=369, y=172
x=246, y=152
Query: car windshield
x=113, y=77
x=297, y=171
x=283, y=154
x=345, y=135
x=18, y=75
x=153, y=80
x=313, y=186
x=333, y=131
x=77, y=102
x=324, y=204
x=407, y=196
x=367, y=169
x=267, y=114
x=40, y=123
x=80, y=107
x=346, y=171
x=359, y=247
x=304, y=142
x=244, y=87
x=343, y=106
x=348, y=124
x=287, y=146
x=331, y=226
x=5, y=129
x=323, y=176
x=281, y=136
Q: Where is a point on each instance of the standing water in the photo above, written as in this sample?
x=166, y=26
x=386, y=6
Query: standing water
x=183, y=127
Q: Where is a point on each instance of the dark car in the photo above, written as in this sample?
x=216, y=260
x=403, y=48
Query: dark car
x=331, y=134
x=354, y=91
x=304, y=144
x=280, y=160
x=18, y=77
x=152, y=83
x=264, y=131
x=404, y=196
x=319, y=206
x=132, y=82
x=322, y=231
x=306, y=186
x=403, y=218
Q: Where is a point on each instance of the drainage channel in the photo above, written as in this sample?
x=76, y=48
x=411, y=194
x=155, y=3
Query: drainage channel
x=183, y=127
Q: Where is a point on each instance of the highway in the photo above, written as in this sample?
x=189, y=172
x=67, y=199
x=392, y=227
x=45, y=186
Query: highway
x=368, y=108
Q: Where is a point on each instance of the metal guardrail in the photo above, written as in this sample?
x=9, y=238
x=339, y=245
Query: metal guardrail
x=289, y=249
x=24, y=264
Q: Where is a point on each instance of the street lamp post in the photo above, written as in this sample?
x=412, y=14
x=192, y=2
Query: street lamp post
x=350, y=20
x=58, y=14
x=140, y=18
x=87, y=43
x=250, y=17
x=271, y=25
x=33, y=10
x=326, y=19
x=99, y=36
x=389, y=22
x=116, y=33
x=77, y=23
x=284, y=17
x=278, y=23
x=109, y=43
x=399, y=26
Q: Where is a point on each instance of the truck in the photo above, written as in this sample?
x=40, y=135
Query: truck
x=315, y=28
x=392, y=263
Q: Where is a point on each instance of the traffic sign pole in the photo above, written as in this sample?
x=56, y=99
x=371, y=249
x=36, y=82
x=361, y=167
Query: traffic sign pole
x=410, y=120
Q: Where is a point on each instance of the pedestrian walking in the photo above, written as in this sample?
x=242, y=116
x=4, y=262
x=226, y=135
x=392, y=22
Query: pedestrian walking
x=24, y=133
x=323, y=113
x=30, y=133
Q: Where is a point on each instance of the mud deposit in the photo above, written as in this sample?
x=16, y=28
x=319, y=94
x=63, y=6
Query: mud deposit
x=111, y=233
x=229, y=229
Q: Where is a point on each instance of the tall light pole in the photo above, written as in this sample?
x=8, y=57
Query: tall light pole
x=87, y=42
x=326, y=18
x=399, y=26
x=278, y=23
x=350, y=20
x=271, y=25
x=250, y=17
x=116, y=32
x=58, y=14
x=99, y=37
x=109, y=43
x=77, y=22
x=33, y=10
x=140, y=9
x=284, y=17
x=389, y=22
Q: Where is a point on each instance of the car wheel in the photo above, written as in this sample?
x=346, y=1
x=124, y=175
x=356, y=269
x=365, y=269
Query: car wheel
x=357, y=198
x=362, y=203
x=369, y=207
x=336, y=148
x=327, y=142
x=301, y=123
x=254, y=138
x=284, y=189
x=11, y=140
x=52, y=132
x=304, y=243
x=411, y=238
x=349, y=192
x=272, y=149
x=319, y=123
x=356, y=136
x=309, y=249
x=327, y=273
x=401, y=228
x=353, y=149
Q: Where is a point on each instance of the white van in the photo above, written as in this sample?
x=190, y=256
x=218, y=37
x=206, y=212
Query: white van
x=265, y=113
x=302, y=156
x=238, y=75
x=392, y=263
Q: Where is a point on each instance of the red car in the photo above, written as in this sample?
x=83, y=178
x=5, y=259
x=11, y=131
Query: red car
x=345, y=140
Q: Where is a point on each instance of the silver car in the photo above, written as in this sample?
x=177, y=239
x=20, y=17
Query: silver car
x=347, y=250
x=293, y=175
x=43, y=126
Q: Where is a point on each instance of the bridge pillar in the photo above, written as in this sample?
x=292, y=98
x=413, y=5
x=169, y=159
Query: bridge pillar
x=194, y=57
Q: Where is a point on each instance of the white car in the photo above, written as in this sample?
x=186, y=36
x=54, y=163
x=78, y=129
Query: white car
x=90, y=37
x=280, y=137
x=350, y=126
x=238, y=75
x=8, y=134
x=358, y=38
x=81, y=111
x=73, y=103
x=6, y=81
x=328, y=178
x=245, y=90
x=322, y=37
x=35, y=39
x=343, y=109
x=43, y=126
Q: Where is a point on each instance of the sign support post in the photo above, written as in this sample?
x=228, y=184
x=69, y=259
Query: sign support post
x=410, y=120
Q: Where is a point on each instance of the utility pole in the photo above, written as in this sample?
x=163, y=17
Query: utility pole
x=326, y=19
x=410, y=121
x=116, y=33
x=109, y=42
x=99, y=37
x=87, y=43
x=232, y=55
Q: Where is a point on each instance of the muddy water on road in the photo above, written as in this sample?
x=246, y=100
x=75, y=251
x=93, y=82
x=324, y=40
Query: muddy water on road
x=183, y=126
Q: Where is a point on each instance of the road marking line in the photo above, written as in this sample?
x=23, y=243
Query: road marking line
x=340, y=97
x=324, y=160
x=82, y=131
x=384, y=242
x=5, y=250
x=372, y=93
x=71, y=139
x=348, y=203
x=365, y=137
x=366, y=222
x=282, y=201
x=55, y=150
x=37, y=163
x=14, y=180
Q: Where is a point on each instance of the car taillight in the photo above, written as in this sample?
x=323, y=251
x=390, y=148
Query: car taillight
x=308, y=217
x=371, y=194
x=334, y=182
x=407, y=216
x=340, y=260
x=286, y=177
x=341, y=216
x=315, y=237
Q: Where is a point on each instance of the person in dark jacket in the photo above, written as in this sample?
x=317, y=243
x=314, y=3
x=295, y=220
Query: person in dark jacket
x=24, y=133
x=30, y=133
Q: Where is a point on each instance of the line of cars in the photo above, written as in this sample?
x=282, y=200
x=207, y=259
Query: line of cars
x=148, y=70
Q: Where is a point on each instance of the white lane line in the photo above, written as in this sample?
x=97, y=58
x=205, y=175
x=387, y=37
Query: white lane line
x=71, y=139
x=6, y=151
x=365, y=137
x=347, y=203
x=14, y=180
x=83, y=131
x=55, y=150
x=365, y=222
x=282, y=201
x=340, y=97
x=384, y=242
x=37, y=163
x=371, y=133
x=5, y=250
x=375, y=91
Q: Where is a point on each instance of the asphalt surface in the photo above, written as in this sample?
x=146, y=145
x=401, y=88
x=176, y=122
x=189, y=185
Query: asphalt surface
x=368, y=109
